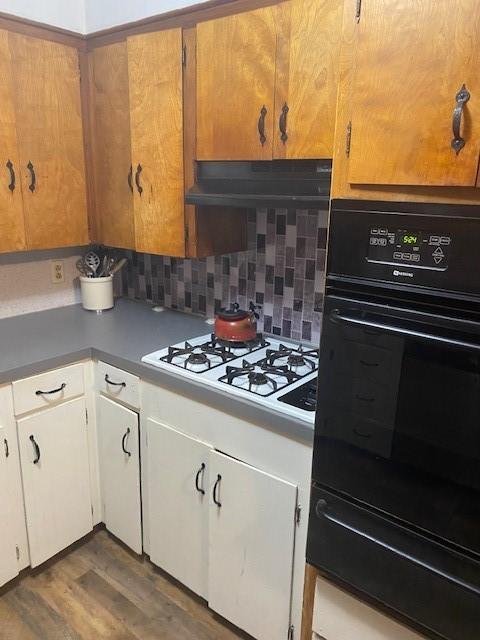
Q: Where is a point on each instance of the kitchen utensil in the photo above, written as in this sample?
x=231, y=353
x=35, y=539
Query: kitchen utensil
x=116, y=267
x=84, y=269
x=235, y=324
x=93, y=261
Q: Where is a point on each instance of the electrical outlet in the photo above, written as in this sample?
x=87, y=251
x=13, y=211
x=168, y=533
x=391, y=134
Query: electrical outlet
x=58, y=274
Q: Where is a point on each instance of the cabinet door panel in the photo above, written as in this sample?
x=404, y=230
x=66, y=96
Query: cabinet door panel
x=49, y=128
x=156, y=122
x=235, y=80
x=307, y=77
x=111, y=143
x=412, y=59
x=252, y=538
x=8, y=558
x=120, y=472
x=12, y=227
x=57, y=488
x=177, y=509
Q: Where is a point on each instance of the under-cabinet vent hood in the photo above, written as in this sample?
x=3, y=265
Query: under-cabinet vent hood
x=278, y=183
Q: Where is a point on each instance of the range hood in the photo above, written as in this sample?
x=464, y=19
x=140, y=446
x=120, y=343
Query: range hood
x=278, y=183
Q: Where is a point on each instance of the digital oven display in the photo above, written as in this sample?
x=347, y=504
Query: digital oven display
x=408, y=247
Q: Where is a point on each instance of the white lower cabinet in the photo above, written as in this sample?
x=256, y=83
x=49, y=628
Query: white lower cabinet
x=118, y=435
x=8, y=553
x=252, y=538
x=56, y=478
x=223, y=528
x=178, y=480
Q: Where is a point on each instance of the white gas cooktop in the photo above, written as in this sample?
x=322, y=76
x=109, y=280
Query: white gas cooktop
x=263, y=370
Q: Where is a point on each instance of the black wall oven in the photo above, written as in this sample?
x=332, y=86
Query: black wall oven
x=395, y=508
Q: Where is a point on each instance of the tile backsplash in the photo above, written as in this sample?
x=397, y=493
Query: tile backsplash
x=283, y=270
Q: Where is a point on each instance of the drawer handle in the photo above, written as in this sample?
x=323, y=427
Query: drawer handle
x=261, y=125
x=461, y=99
x=49, y=393
x=6, y=447
x=200, y=472
x=215, y=487
x=282, y=123
x=33, y=177
x=114, y=384
x=9, y=166
x=129, y=179
x=36, y=449
x=364, y=399
x=124, y=440
x=137, y=179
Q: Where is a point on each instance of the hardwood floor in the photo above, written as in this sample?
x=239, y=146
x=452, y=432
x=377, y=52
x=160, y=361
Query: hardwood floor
x=101, y=590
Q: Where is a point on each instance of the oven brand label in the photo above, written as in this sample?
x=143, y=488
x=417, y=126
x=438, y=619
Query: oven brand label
x=404, y=274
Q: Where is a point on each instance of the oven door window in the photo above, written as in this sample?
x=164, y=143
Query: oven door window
x=398, y=423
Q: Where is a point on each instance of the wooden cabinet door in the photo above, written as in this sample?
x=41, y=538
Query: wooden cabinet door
x=235, y=81
x=111, y=146
x=56, y=478
x=12, y=227
x=412, y=59
x=252, y=536
x=307, y=78
x=8, y=557
x=119, y=453
x=156, y=122
x=50, y=138
x=178, y=498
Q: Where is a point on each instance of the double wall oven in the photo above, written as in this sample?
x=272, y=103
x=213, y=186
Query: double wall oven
x=395, y=507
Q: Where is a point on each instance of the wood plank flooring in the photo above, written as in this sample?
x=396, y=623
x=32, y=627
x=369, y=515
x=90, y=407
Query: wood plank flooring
x=100, y=590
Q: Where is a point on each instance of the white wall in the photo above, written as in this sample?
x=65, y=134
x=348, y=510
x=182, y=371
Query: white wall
x=102, y=14
x=67, y=14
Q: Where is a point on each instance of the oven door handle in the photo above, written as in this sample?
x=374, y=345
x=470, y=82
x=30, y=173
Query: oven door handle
x=336, y=316
x=321, y=512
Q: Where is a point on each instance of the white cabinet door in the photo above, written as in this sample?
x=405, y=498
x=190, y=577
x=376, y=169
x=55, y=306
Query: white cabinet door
x=252, y=537
x=118, y=437
x=177, y=487
x=8, y=557
x=56, y=480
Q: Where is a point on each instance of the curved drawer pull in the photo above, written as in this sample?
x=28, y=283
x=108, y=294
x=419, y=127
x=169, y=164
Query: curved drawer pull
x=137, y=178
x=33, y=177
x=261, y=125
x=129, y=179
x=9, y=166
x=200, y=472
x=215, y=487
x=114, y=384
x=124, y=440
x=6, y=447
x=282, y=123
x=461, y=99
x=36, y=449
x=49, y=393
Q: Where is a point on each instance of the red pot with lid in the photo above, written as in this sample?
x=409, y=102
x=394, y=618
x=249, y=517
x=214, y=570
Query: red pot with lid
x=236, y=325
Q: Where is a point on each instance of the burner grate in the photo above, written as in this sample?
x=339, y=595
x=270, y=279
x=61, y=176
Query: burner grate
x=257, y=375
x=197, y=358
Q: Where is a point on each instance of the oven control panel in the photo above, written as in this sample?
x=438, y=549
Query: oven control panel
x=410, y=247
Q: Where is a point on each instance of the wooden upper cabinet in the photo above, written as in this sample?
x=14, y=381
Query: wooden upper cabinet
x=12, y=228
x=235, y=82
x=412, y=59
x=50, y=140
x=307, y=78
x=156, y=123
x=111, y=146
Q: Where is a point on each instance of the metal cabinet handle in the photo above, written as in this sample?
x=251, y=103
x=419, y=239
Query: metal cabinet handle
x=282, y=123
x=33, y=178
x=36, y=449
x=215, y=487
x=137, y=178
x=124, y=439
x=261, y=125
x=129, y=179
x=200, y=472
x=6, y=447
x=49, y=393
x=9, y=166
x=461, y=99
x=114, y=384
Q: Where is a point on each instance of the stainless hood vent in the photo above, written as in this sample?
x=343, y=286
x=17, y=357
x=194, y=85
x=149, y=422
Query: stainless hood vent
x=277, y=183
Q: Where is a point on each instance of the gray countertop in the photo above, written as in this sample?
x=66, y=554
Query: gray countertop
x=32, y=343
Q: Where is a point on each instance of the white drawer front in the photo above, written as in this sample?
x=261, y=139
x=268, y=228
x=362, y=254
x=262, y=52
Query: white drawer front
x=118, y=384
x=339, y=616
x=48, y=389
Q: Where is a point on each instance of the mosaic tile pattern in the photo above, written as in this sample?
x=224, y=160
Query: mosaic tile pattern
x=283, y=271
